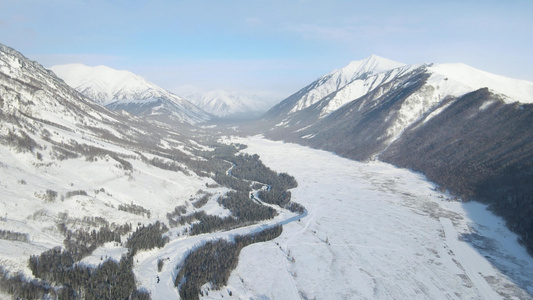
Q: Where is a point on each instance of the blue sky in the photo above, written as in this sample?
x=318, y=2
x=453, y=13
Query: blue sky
x=271, y=47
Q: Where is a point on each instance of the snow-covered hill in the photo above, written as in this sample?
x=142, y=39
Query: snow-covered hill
x=226, y=104
x=64, y=158
x=123, y=90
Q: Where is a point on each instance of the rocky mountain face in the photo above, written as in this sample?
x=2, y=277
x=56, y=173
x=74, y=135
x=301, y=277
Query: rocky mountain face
x=123, y=90
x=465, y=129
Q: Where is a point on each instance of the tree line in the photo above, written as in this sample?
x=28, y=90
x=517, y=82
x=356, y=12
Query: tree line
x=14, y=236
x=134, y=209
x=148, y=237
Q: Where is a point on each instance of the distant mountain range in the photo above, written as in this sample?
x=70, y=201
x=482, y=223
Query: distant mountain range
x=230, y=105
x=468, y=130
x=123, y=90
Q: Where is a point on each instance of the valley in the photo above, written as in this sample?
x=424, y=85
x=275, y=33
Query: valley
x=144, y=198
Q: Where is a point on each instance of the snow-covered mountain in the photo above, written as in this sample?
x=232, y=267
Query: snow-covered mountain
x=226, y=104
x=372, y=74
x=364, y=85
x=31, y=90
x=337, y=79
x=466, y=129
x=123, y=90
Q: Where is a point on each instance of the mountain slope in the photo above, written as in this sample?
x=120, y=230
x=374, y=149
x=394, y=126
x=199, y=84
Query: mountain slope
x=123, y=90
x=466, y=129
x=225, y=104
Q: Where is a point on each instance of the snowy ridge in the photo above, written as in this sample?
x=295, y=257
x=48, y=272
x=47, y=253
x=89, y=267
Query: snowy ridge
x=124, y=90
x=360, y=87
x=104, y=84
x=33, y=90
x=365, y=84
x=359, y=78
x=455, y=80
x=459, y=79
x=337, y=79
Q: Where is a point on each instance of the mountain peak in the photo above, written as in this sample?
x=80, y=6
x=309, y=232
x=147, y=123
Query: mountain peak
x=370, y=65
x=337, y=79
x=106, y=84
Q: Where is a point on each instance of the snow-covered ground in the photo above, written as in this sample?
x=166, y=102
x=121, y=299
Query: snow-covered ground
x=24, y=180
x=376, y=231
